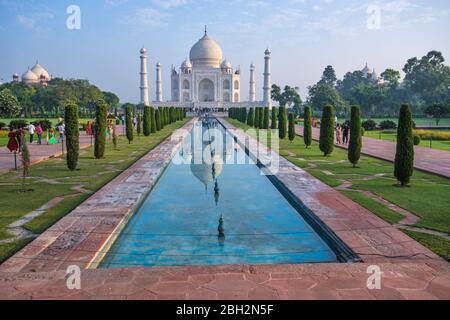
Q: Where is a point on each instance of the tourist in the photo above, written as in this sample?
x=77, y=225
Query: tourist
x=338, y=134
x=19, y=136
x=345, y=133
x=39, y=133
x=88, y=128
x=31, y=130
x=51, y=136
x=12, y=143
x=61, y=128
x=110, y=129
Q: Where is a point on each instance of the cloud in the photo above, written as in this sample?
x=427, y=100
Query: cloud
x=34, y=21
x=116, y=2
x=167, y=4
x=146, y=18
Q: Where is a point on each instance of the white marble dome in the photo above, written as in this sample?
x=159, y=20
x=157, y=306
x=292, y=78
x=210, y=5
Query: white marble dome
x=29, y=77
x=186, y=64
x=39, y=71
x=226, y=64
x=206, y=52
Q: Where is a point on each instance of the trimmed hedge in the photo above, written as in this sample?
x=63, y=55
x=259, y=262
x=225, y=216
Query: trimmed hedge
x=307, y=127
x=100, y=129
x=355, y=142
x=291, y=131
x=129, y=123
x=282, y=119
x=147, y=121
x=72, y=135
x=326, y=139
x=404, y=156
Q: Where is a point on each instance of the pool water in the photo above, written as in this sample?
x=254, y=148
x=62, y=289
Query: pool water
x=205, y=214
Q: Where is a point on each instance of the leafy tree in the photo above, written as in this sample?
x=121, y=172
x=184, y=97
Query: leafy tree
x=326, y=140
x=129, y=122
x=328, y=76
x=391, y=76
x=324, y=94
x=152, y=120
x=404, y=156
x=111, y=99
x=147, y=120
x=437, y=111
x=72, y=134
x=282, y=119
x=100, y=129
x=250, y=118
x=9, y=105
x=429, y=78
x=291, y=127
x=289, y=97
x=355, y=143
x=307, y=127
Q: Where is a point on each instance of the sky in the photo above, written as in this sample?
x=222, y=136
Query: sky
x=304, y=36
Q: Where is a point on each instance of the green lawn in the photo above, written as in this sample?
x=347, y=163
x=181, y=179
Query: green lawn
x=51, y=178
x=391, y=135
x=427, y=197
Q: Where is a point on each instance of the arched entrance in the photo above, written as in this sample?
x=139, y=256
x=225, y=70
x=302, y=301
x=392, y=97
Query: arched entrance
x=206, y=90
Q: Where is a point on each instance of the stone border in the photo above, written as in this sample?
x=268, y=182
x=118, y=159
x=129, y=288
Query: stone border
x=82, y=236
x=367, y=235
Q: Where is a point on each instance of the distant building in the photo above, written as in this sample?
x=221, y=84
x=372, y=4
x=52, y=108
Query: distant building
x=34, y=76
x=371, y=74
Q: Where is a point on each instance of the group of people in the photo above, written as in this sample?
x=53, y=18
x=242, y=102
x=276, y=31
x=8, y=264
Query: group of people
x=342, y=133
x=16, y=137
x=91, y=128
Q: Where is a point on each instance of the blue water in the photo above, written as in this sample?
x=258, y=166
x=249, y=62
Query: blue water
x=178, y=222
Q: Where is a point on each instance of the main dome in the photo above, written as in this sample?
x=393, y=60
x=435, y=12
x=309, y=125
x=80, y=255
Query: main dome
x=206, y=52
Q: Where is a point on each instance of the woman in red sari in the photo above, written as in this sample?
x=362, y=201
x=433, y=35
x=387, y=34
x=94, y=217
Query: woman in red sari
x=12, y=143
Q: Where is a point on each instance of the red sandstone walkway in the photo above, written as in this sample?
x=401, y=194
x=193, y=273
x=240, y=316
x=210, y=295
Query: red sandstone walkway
x=40, y=153
x=425, y=159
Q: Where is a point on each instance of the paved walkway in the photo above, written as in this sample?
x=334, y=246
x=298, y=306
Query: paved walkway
x=425, y=159
x=42, y=152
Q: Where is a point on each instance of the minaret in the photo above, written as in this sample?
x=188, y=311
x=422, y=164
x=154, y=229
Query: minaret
x=159, y=92
x=252, y=92
x=267, y=82
x=144, y=79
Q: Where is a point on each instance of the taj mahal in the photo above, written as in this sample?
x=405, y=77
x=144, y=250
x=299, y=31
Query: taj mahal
x=206, y=80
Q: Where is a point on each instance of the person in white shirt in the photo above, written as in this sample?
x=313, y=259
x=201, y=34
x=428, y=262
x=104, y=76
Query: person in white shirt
x=61, y=128
x=31, y=131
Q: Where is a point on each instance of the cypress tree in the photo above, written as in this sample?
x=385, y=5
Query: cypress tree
x=158, y=119
x=274, y=118
x=307, y=127
x=291, y=131
x=100, y=129
x=326, y=140
x=355, y=143
x=147, y=121
x=282, y=130
x=404, y=155
x=251, y=118
x=129, y=122
x=244, y=115
x=256, y=120
x=138, y=125
x=72, y=135
x=266, y=118
x=152, y=120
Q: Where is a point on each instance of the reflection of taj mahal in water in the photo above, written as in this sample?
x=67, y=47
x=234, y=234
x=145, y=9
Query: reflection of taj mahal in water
x=206, y=80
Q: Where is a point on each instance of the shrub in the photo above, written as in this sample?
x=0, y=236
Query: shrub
x=2, y=125
x=147, y=121
x=16, y=124
x=404, y=156
x=355, y=142
x=433, y=134
x=326, y=139
x=282, y=130
x=266, y=118
x=129, y=122
x=416, y=140
x=387, y=124
x=72, y=134
x=256, y=121
x=45, y=124
x=138, y=125
x=273, y=125
x=100, y=129
x=369, y=125
x=307, y=127
x=158, y=119
x=117, y=121
x=152, y=120
x=251, y=117
x=363, y=132
x=291, y=131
